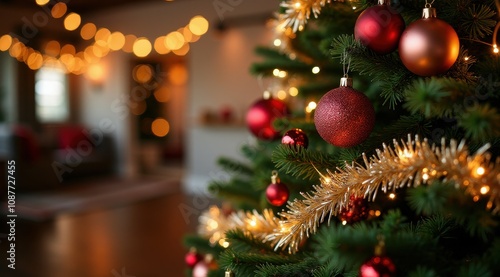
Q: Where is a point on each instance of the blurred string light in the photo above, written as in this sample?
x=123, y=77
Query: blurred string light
x=102, y=42
x=495, y=33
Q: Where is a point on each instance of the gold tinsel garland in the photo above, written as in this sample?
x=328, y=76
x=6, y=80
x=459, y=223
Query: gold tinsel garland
x=215, y=222
x=410, y=163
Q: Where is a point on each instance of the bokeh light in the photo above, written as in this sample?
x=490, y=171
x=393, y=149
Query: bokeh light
x=72, y=21
x=5, y=42
x=42, y=2
x=128, y=47
x=178, y=74
x=142, y=73
x=101, y=36
x=88, y=31
x=142, y=47
x=182, y=51
x=160, y=46
x=59, y=10
x=162, y=94
x=53, y=48
x=160, y=127
x=174, y=40
x=116, y=41
x=198, y=25
x=68, y=49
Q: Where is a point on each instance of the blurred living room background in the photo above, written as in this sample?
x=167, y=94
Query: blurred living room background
x=115, y=113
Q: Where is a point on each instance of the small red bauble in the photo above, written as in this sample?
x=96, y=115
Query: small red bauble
x=379, y=28
x=261, y=115
x=429, y=46
x=192, y=258
x=295, y=137
x=355, y=211
x=277, y=193
x=378, y=266
x=344, y=117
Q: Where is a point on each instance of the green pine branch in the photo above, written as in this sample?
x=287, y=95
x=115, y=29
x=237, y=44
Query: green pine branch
x=241, y=242
x=234, y=166
x=299, y=269
x=480, y=122
x=246, y=264
x=236, y=191
x=201, y=245
x=302, y=163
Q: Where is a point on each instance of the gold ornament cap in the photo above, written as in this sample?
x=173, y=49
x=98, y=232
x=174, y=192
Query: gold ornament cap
x=346, y=82
x=274, y=177
x=429, y=12
x=229, y=273
x=384, y=2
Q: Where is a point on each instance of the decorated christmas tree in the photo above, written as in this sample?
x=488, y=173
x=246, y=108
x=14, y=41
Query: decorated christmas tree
x=376, y=148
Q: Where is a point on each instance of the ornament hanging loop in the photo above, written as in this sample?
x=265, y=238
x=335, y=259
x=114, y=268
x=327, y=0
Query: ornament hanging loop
x=274, y=177
x=428, y=5
x=345, y=60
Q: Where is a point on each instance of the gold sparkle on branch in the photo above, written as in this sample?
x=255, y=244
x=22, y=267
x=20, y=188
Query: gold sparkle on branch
x=214, y=223
x=297, y=12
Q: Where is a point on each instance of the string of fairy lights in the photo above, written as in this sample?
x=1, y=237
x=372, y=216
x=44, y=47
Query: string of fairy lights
x=102, y=42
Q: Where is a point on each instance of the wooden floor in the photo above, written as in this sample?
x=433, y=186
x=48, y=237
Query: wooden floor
x=138, y=240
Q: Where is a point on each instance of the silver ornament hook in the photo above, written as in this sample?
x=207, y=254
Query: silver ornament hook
x=345, y=59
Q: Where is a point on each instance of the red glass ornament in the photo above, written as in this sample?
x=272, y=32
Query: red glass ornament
x=356, y=210
x=192, y=258
x=295, y=137
x=379, y=28
x=277, y=193
x=261, y=115
x=429, y=46
x=378, y=266
x=344, y=117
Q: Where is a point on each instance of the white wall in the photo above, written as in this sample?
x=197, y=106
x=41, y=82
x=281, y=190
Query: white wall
x=219, y=75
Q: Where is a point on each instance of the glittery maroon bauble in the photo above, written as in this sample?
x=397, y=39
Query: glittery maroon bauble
x=355, y=211
x=378, y=266
x=429, y=46
x=261, y=115
x=295, y=137
x=277, y=194
x=344, y=117
x=379, y=28
x=192, y=258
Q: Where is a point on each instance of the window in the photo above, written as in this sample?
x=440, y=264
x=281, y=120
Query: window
x=51, y=95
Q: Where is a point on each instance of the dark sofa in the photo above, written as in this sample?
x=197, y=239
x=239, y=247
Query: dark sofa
x=69, y=153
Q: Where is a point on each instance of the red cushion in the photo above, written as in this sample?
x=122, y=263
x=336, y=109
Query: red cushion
x=70, y=136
